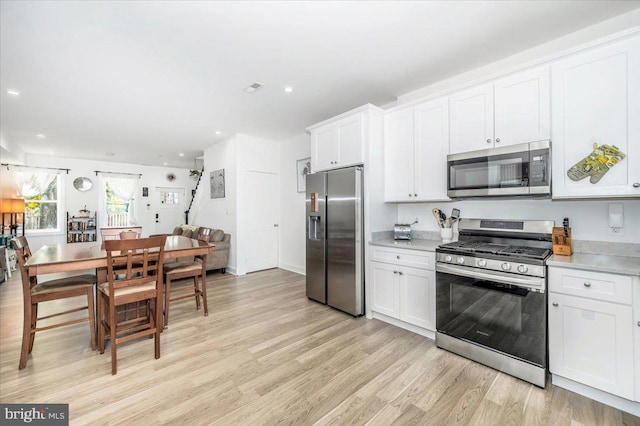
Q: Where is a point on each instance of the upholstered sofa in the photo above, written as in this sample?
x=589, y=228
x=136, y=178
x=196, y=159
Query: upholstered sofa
x=220, y=255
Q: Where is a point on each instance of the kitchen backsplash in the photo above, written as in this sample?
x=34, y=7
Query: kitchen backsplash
x=588, y=219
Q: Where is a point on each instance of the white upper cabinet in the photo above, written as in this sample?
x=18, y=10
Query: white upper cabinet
x=596, y=100
x=508, y=111
x=416, y=146
x=471, y=119
x=338, y=143
x=522, y=107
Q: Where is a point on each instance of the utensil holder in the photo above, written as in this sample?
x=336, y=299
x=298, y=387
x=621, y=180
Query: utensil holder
x=561, y=244
x=446, y=234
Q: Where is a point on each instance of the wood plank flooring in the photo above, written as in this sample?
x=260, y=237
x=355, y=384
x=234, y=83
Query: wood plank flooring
x=268, y=355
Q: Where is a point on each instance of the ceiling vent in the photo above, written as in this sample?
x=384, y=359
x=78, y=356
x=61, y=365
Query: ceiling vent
x=253, y=87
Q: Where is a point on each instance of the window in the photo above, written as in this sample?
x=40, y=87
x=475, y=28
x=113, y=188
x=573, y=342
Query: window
x=119, y=201
x=42, y=195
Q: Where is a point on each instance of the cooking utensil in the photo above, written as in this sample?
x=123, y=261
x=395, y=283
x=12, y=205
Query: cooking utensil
x=455, y=215
x=565, y=226
x=436, y=214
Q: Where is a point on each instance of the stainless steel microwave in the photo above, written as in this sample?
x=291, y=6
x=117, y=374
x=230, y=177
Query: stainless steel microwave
x=516, y=170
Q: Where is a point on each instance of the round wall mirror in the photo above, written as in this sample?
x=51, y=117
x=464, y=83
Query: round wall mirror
x=82, y=184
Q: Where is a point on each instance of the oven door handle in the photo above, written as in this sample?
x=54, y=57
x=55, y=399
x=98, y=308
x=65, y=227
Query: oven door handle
x=530, y=283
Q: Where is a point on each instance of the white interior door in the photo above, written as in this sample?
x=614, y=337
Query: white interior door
x=169, y=207
x=261, y=218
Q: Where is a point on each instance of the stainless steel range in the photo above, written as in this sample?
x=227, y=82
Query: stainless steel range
x=491, y=295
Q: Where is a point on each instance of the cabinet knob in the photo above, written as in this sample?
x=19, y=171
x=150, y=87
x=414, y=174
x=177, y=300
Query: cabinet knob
x=401, y=273
x=395, y=272
x=410, y=195
x=488, y=140
x=415, y=195
x=497, y=140
x=555, y=304
x=636, y=185
x=587, y=284
x=398, y=257
x=638, y=323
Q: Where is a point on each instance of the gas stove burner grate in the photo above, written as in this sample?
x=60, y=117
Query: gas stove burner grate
x=481, y=247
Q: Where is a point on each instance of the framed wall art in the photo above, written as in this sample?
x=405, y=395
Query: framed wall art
x=303, y=168
x=217, y=183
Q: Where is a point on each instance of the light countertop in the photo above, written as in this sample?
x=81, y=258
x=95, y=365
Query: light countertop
x=598, y=263
x=414, y=244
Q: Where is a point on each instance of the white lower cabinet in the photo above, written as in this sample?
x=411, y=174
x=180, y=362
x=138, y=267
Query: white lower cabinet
x=591, y=341
x=403, y=292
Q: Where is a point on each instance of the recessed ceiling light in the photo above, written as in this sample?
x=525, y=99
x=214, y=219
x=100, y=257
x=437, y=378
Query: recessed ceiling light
x=218, y=132
x=40, y=135
x=165, y=164
x=288, y=89
x=13, y=92
x=110, y=154
x=181, y=154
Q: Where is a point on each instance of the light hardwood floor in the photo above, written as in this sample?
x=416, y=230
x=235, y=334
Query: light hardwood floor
x=267, y=355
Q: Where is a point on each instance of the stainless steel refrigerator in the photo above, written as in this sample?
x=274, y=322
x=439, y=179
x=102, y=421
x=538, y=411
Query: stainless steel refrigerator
x=335, y=266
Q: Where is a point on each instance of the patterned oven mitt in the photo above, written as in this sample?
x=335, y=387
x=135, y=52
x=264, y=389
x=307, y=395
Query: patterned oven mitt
x=596, y=164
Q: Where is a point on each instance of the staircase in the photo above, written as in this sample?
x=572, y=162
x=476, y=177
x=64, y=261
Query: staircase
x=192, y=204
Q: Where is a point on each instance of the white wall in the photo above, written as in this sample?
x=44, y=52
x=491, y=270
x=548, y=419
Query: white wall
x=220, y=213
x=74, y=200
x=292, y=213
x=237, y=156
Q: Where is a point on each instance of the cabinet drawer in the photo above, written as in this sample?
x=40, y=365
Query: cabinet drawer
x=593, y=285
x=403, y=257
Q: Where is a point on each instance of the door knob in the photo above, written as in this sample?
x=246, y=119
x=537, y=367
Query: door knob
x=555, y=304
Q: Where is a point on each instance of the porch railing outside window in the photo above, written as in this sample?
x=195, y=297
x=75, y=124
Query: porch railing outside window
x=118, y=219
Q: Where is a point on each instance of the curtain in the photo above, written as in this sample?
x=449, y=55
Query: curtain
x=34, y=183
x=125, y=188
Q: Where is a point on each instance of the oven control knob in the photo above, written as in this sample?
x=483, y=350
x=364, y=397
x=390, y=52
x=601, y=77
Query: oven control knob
x=506, y=266
x=522, y=269
x=448, y=258
x=482, y=263
x=460, y=260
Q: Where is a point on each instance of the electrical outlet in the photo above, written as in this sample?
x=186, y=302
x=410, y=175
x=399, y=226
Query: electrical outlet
x=619, y=232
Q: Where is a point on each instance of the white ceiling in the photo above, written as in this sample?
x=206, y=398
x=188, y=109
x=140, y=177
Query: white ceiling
x=147, y=80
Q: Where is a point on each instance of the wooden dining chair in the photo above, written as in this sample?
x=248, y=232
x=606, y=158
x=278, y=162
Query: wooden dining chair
x=134, y=273
x=196, y=268
x=129, y=235
x=35, y=293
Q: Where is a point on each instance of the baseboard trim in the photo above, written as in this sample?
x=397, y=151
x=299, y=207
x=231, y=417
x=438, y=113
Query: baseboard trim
x=597, y=395
x=293, y=268
x=405, y=325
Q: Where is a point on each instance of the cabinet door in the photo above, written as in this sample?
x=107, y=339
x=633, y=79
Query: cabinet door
x=417, y=297
x=324, y=148
x=398, y=156
x=596, y=100
x=385, y=289
x=591, y=342
x=522, y=107
x=431, y=146
x=471, y=119
x=349, y=132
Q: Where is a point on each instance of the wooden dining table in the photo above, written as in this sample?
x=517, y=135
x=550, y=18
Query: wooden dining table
x=56, y=258
x=62, y=258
